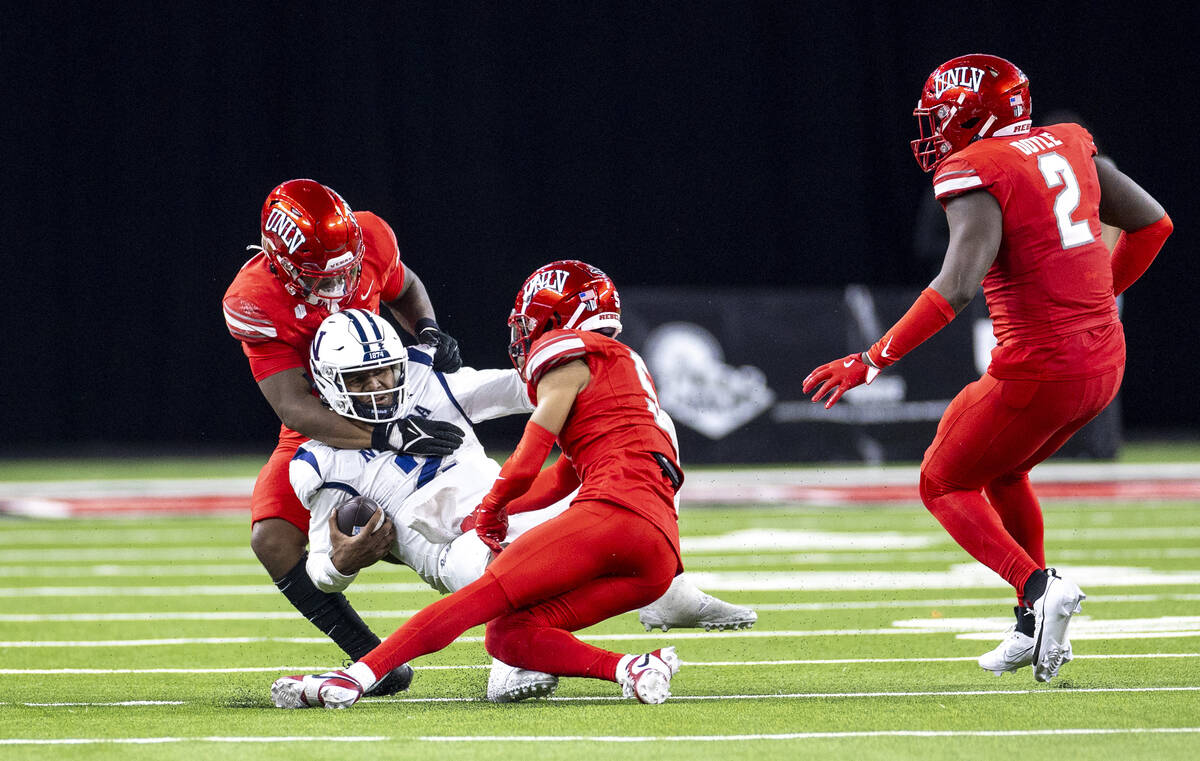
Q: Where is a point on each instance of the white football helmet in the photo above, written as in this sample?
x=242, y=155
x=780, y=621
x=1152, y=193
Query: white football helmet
x=359, y=365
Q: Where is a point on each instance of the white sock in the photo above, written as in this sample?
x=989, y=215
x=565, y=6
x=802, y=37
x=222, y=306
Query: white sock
x=361, y=673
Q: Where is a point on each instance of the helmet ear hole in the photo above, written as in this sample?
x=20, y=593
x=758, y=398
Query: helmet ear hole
x=970, y=123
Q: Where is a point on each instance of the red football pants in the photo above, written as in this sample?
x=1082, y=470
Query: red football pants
x=591, y=563
x=273, y=496
x=989, y=438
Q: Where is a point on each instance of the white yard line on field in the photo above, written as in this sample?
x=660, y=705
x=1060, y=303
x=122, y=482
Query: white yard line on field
x=494, y=739
x=188, y=590
x=986, y=628
x=323, y=640
x=250, y=615
x=500, y=739
x=958, y=576
x=160, y=740
x=464, y=667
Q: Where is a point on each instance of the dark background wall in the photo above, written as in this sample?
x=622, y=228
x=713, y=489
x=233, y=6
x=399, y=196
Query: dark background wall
x=740, y=144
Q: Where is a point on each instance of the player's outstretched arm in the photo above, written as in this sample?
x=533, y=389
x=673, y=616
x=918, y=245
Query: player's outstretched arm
x=1144, y=224
x=289, y=394
x=556, y=393
x=976, y=225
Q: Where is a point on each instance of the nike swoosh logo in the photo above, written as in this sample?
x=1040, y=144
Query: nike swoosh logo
x=884, y=354
x=368, y=291
x=848, y=363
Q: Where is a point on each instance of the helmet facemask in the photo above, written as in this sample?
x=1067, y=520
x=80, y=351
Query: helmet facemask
x=375, y=394
x=359, y=366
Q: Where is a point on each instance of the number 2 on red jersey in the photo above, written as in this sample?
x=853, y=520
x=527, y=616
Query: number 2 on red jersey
x=1057, y=171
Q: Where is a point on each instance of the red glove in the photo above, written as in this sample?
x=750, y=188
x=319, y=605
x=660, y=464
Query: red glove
x=839, y=377
x=491, y=523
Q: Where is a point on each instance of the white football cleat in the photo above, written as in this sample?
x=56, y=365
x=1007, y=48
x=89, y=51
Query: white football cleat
x=684, y=606
x=1015, y=652
x=333, y=689
x=648, y=677
x=508, y=684
x=1052, y=614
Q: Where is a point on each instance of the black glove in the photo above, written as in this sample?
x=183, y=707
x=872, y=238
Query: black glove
x=416, y=435
x=446, y=357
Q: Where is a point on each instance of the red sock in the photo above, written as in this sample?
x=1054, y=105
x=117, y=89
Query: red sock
x=977, y=528
x=439, y=624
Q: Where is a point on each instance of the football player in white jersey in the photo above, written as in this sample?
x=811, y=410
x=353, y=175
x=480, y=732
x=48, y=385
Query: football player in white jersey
x=363, y=371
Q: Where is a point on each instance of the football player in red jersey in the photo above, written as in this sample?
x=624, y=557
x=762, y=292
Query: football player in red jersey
x=1024, y=208
x=614, y=549
x=318, y=257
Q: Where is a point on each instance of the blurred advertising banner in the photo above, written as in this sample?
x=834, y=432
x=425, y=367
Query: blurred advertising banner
x=729, y=364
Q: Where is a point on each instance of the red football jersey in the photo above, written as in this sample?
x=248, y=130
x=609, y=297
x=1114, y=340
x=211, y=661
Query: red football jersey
x=614, y=425
x=1049, y=292
x=275, y=328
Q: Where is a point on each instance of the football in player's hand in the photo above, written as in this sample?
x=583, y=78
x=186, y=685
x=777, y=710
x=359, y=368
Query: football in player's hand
x=354, y=513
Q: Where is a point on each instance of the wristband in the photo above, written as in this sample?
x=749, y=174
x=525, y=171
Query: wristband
x=379, y=436
x=426, y=322
x=928, y=314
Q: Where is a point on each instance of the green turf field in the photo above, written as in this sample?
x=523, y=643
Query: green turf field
x=160, y=639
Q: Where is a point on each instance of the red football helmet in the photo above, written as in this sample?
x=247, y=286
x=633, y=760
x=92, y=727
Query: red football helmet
x=565, y=294
x=313, y=241
x=968, y=98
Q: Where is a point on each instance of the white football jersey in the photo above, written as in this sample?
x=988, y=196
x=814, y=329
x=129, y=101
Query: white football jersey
x=427, y=498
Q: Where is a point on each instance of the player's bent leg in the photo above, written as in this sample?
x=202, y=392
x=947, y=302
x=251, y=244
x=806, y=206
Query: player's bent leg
x=685, y=606
x=539, y=637
x=276, y=541
x=976, y=527
x=1011, y=496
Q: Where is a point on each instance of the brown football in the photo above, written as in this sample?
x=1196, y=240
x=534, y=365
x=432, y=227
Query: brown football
x=354, y=513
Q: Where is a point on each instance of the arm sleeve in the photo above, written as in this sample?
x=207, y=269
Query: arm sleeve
x=928, y=314
x=551, y=485
x=1135, y=251
x=521, y=468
